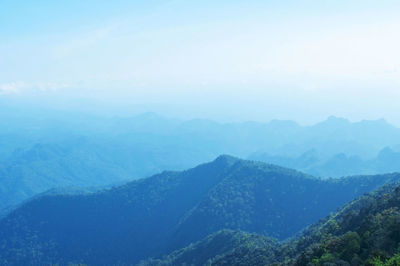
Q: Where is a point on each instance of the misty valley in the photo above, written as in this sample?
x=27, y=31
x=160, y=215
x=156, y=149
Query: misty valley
x=151, y=190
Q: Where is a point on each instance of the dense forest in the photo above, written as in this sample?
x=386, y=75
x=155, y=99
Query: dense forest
x=365, y=231
x=166, y=212
x=225, y=247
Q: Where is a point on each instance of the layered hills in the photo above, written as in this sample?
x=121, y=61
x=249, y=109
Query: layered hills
x=42, y=149
x=168, y=211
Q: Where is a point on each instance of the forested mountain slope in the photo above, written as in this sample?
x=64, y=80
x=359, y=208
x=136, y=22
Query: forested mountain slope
x=222, y=248
x=165, y=212
x=365, y=231
x=42, y=149
x=88, y=162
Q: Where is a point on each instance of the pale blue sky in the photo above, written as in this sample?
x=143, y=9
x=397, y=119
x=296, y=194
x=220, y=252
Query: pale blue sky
x=229, y=60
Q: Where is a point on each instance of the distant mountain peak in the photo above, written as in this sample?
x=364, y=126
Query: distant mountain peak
x=380, y=122
x=149, y=115
x=333, y=118
x=283, y=122
x=333, y=121
x=225, y=158
x=386, y=152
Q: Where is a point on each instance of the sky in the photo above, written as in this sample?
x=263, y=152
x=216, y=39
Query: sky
x=224, y=60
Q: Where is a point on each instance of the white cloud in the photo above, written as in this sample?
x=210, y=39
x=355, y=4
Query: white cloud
x=19, y=87
x=11, y=88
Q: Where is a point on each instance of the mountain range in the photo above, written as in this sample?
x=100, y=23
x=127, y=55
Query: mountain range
x=41, y=150
x=311, y=162
x=168, y=211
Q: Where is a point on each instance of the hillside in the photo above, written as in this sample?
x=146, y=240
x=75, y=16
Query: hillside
x=86, y=162
x=364, y=232
x=47, y=166
x=219, y=249
x=41, y=150
x=156, y=215
x=312, y=162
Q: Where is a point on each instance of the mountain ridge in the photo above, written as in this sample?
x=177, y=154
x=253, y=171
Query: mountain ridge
x=153, y=216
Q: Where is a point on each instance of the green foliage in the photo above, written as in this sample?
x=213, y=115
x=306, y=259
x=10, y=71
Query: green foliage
x=365, y=232
x=224, y=247
x=377, y=261
x=169, y=211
